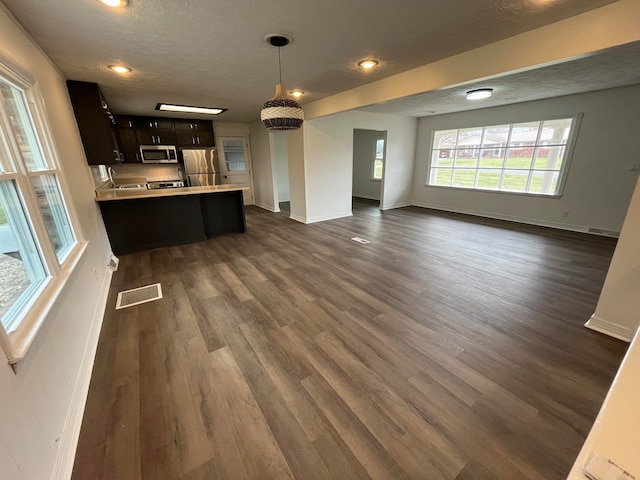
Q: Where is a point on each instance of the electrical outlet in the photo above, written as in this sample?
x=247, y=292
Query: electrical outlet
x=565, y=213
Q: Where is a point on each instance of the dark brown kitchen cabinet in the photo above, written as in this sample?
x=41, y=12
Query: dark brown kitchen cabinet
x=154, y=131
x=133, y=131
x=128, y=145
x=155, y=136
x=186, y=138
x=194, y=133
x=95, y=122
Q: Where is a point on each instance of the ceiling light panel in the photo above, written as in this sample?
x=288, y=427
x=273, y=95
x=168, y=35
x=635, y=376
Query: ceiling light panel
x=114, y=3
x=167, y=107
x=367, y=64
x=479, y=93
x=119, y=69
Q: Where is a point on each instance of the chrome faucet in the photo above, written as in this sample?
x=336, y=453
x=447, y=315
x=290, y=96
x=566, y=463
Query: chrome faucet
x=111, y=173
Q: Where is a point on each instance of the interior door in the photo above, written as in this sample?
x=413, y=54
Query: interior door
x=235, y=164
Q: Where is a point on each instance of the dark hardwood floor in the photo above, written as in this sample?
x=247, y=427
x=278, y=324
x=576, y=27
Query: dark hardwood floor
x=450, y=347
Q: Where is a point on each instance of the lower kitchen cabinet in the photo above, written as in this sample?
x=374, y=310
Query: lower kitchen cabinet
x=138, y=224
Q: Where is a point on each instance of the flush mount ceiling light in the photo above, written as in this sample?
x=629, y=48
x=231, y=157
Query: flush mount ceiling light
x=281, y=112
x=297, y=93
x=479, y=93
x=367, y=64
x=119, y=69
x=114, y=3
x=167, y=107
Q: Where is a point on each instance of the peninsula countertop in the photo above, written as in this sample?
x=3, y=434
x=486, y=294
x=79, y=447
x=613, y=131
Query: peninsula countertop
x=109, y=194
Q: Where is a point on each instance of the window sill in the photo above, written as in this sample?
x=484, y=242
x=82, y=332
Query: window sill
x=501, y=192
x=17, y=343
x=376, y=179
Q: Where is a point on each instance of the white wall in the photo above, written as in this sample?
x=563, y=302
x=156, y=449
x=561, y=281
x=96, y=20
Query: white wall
x=230, y=129
x=618, y=310
x=264, y=182
x=599, y=184
x=41, y=405
x=364, y=151
x=282, y=165
x=326, y=156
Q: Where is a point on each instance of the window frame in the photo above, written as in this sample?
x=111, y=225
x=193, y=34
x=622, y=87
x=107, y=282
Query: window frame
x=37, y=306
x=563, y=173
x=375, y=158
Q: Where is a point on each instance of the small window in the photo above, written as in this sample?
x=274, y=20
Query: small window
x=378, y=160
x=36, y=234
x=529, y=157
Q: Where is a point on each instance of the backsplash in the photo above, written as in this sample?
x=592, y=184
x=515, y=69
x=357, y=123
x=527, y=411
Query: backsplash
x=151, y=172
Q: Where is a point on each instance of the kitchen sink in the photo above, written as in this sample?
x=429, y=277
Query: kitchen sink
x=129, y=186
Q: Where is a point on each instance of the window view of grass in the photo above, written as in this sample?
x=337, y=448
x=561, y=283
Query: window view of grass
x=523, y=157
x=377, y=169
x=3, y=219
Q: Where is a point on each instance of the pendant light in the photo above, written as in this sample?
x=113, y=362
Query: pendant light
x=281, y=112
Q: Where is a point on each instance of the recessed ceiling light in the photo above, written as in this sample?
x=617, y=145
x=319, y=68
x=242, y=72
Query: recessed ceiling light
x=114, y=3
x=367, y=64
x=479, y=93
x=297, y=93
x=119, y=68
x=167, y=107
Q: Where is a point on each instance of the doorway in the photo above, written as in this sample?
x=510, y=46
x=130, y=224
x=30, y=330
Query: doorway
x=282, y=170
x=235, y=164
x=369, y=152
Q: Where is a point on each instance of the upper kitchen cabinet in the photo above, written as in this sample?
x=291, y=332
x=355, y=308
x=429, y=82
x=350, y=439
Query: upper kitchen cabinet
x=194, y=133
x=127, y=139
x=154, y=131
x=95, y=123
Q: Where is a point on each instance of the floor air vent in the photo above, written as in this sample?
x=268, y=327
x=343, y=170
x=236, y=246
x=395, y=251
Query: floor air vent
x=136, y=296
x=360, y=240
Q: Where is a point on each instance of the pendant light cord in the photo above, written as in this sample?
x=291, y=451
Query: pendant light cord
x=279, y=65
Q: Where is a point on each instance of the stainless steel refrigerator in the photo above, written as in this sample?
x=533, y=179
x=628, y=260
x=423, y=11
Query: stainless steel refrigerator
x=201, y=167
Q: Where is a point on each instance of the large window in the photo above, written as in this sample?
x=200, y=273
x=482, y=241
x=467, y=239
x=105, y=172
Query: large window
x=36, y=234
x=529, y=157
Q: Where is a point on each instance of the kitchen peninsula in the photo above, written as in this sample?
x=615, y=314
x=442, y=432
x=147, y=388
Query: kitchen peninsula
x=139, y=219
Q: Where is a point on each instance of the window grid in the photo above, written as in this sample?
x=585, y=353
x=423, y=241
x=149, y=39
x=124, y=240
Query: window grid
x=37, y=234
x=461, y=158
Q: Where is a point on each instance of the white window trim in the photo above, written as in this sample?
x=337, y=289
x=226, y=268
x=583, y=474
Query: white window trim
x=564, y=173
x=17, y=343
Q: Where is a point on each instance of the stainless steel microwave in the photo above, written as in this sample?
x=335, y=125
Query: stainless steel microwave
x=158, y=154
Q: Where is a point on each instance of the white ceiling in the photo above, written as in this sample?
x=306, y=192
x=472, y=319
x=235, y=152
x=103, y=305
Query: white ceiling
x=213, y=53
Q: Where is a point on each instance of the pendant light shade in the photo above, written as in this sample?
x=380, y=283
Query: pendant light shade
x=282, y=112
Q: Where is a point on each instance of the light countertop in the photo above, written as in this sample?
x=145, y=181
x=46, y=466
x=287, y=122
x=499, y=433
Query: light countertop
x=109, y=194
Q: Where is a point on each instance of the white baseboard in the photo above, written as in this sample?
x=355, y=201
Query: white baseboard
x=395, y=205
x=612, y=329
x=71, y=432
x=268, y=208
x=297, y=218
x=525, y=220
x=333, y=216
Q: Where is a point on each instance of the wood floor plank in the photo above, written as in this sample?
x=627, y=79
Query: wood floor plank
x=244, y=445
x=450, y=347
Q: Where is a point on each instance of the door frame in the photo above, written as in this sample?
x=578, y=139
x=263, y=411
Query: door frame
x=248, y=162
